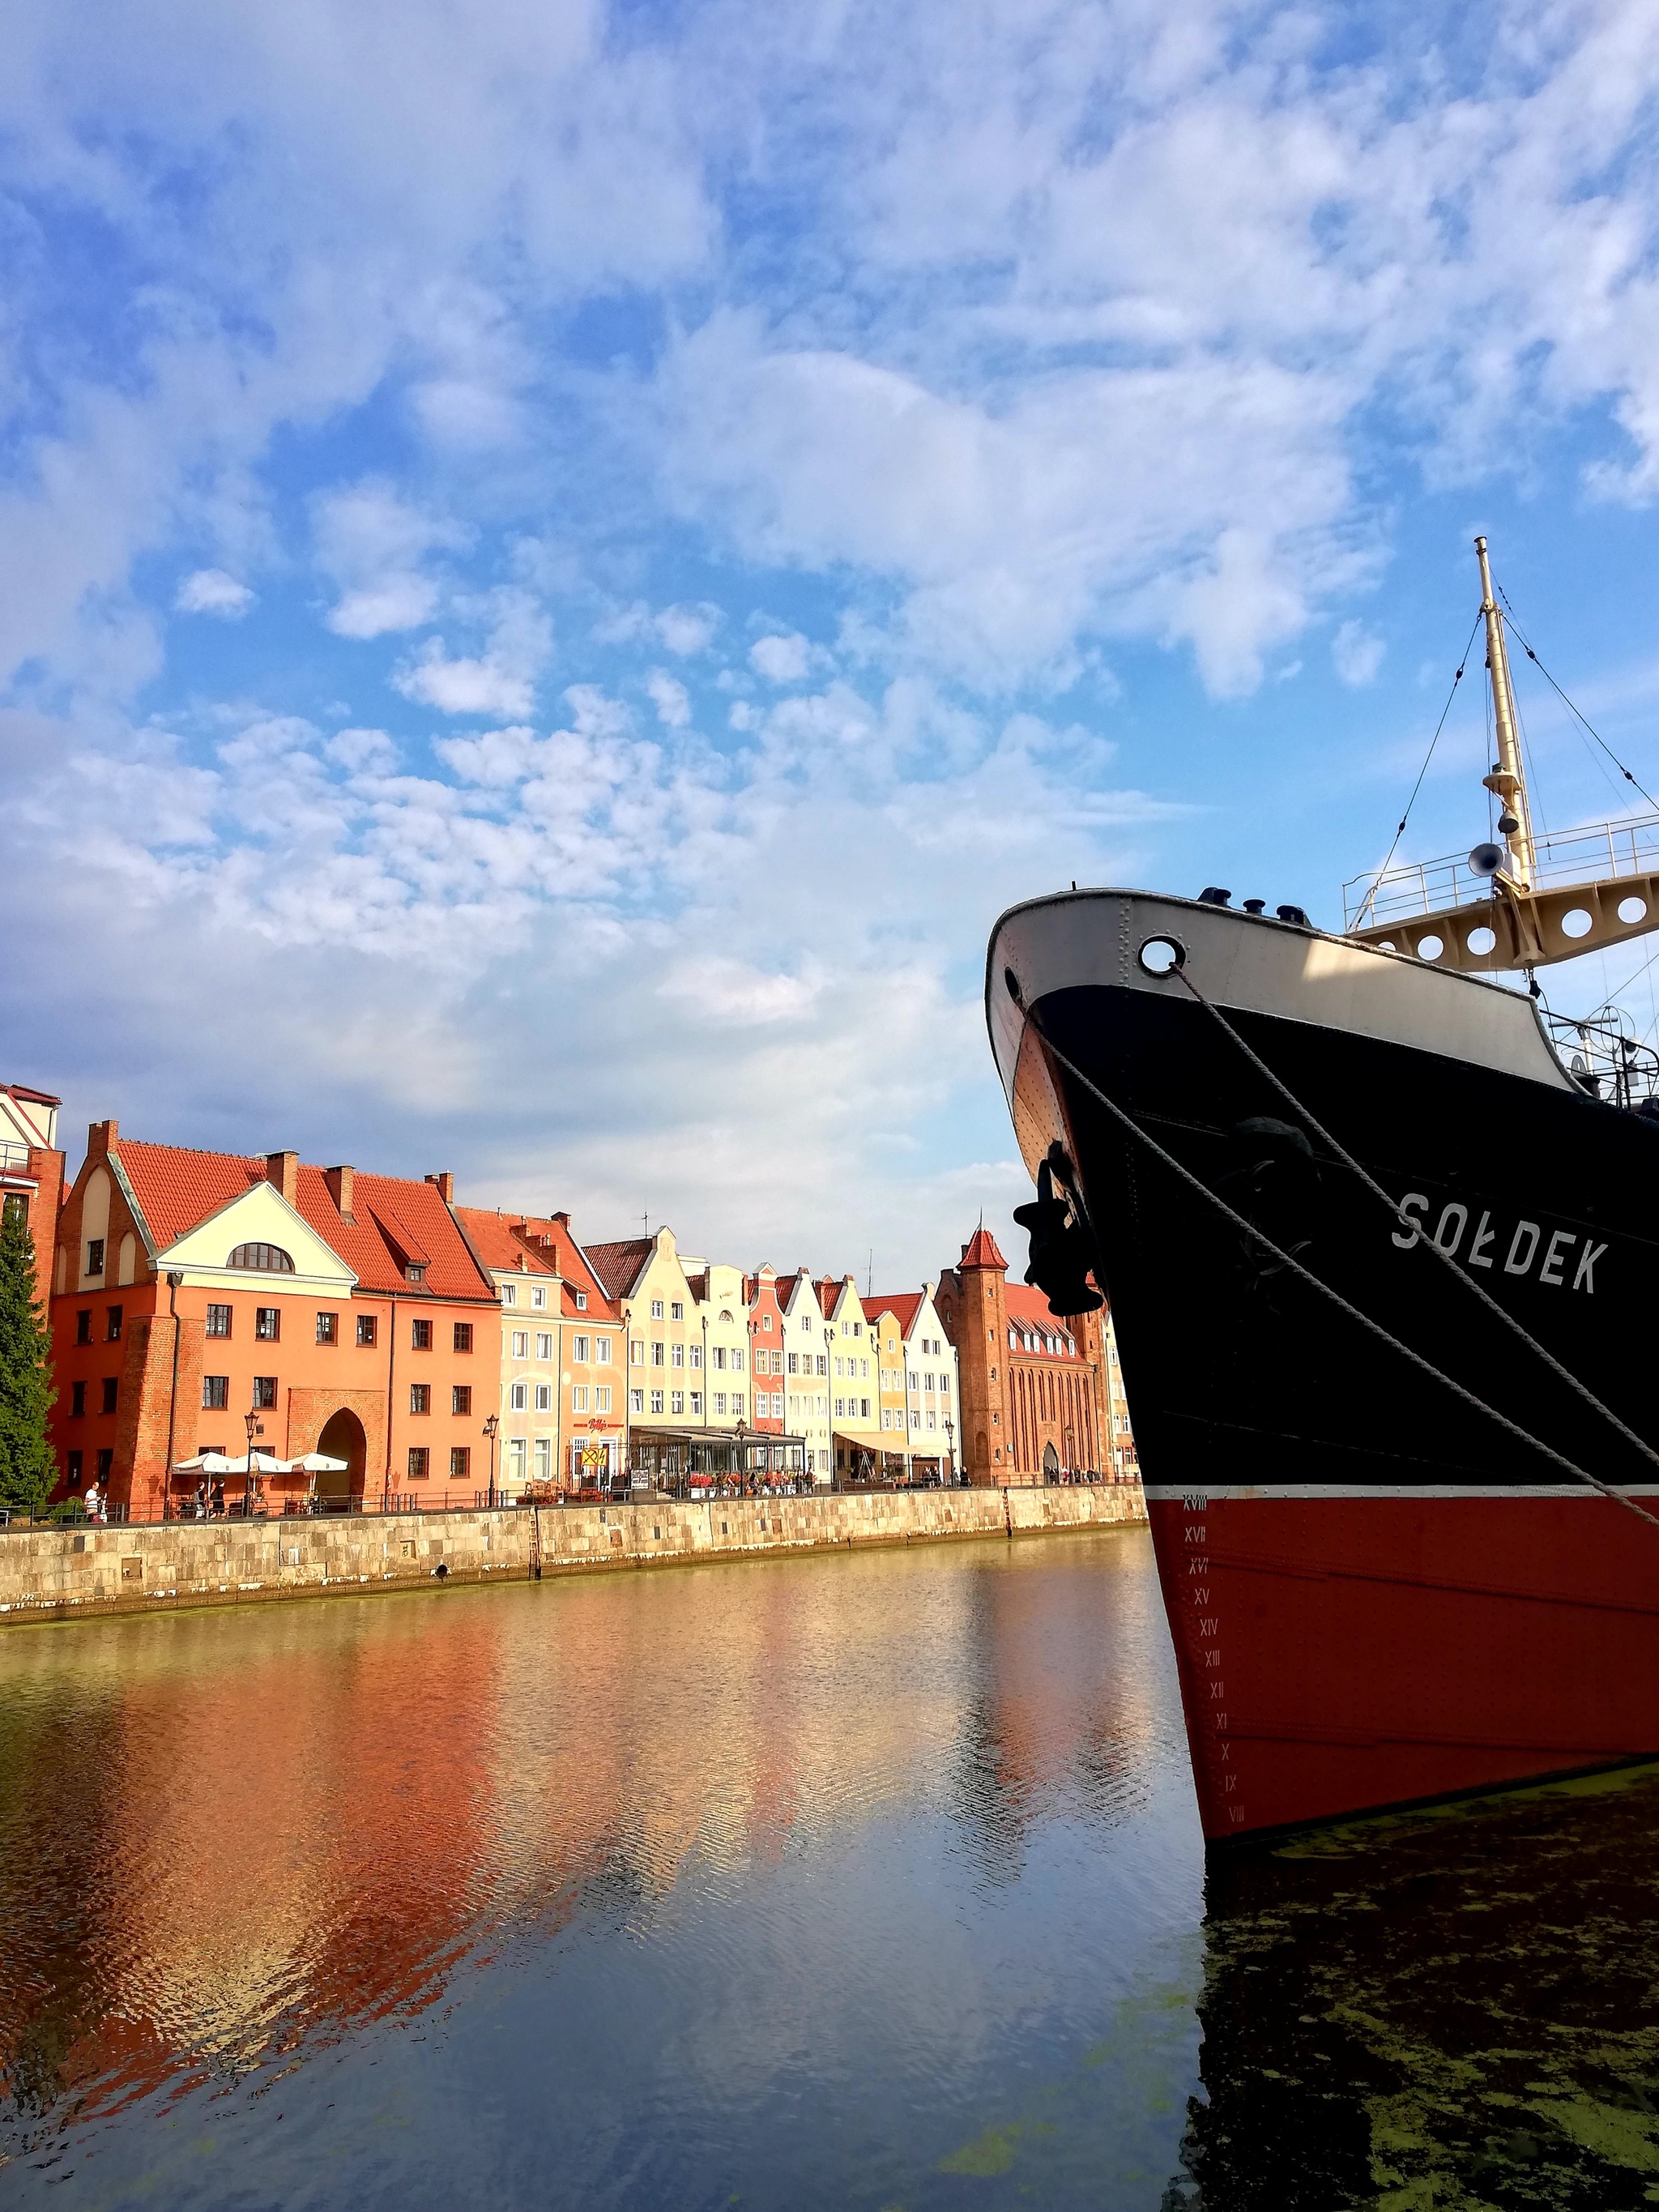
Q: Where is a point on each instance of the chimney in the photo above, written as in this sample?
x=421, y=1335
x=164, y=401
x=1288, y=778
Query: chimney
x=339, y=1181
x=100, y=1136
x=283, y=1170
x=445, y=1186
x=563, y=1220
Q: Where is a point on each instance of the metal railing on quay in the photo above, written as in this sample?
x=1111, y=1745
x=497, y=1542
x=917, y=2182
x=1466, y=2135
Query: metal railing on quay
x=72, y=1514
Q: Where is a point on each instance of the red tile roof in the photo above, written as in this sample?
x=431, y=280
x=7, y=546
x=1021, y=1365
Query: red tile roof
x=176, y=1188
x=495, y=1244
x=573, y=1264
x=980, y=1250
x=1028, y=1308
x=617, y=1266
x=904, y=1309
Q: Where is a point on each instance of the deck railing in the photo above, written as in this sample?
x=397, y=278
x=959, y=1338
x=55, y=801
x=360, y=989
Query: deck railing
x=1598, y=851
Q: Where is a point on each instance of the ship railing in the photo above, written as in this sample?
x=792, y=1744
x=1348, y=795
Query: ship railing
x=1604, y=1060
x=1597, y=852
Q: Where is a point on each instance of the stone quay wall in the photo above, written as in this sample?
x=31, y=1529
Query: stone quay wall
x=62, y=1574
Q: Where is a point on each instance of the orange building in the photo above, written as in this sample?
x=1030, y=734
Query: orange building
x=342, y=1312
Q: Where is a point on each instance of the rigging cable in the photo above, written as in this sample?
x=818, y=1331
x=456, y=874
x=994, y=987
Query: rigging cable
x=1294, y=1266
x=1462, y=663
x=1567, y=703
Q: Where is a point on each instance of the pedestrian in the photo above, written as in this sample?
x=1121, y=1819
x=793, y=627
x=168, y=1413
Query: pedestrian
x=216, y=1502
x=91, y=1499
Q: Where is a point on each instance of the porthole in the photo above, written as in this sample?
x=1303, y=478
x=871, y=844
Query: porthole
x=1632, y=910
x=1430, y=948
x=1577, y=922
x=1388, y=944
x=1162, y=955
x=1481, y=941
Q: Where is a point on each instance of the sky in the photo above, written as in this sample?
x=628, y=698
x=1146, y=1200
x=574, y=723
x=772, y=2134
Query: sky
x=561, y=564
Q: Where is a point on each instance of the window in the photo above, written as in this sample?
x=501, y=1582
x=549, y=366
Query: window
x=215, y=1393
x=933, y=1421
x=840, y=1405
x=267, y=1323
x=420, y=1397
x=578, y=1399
x=74, y=1462
x=95, y=1255
x=112, y=1392
x=420, y=1336
x=858, y=1328
x=697, y=1355
x=543, y=1397
x=656, y=1309
x=579, y=1350
x=636, y=1401
x=544, y=1343
x=515, y=1459
x=717, y=1358
x=807, y=1321
x=517, y=1397
x=366, y=1331
x=462, y=1336
x=602, y=1351
x=765, y=1323
x=581, y=1302
x=265, y=1393
x=736, y=1402
x=841, y=1367
x=737, y=1359
x=656, y=1401
x=460, y=1398
x=267, y=1258
x=677, y=1402
x=460, y=1463
x=656, y=1354
x=509, y=1294
x=415, y=1272
x=419, y=1460
x=106, y=1461
x=720, y=1401
x=915, y=1379
x=602, y=1398
x=328, y=1328
x=84, y=1327
x=823, y=1363
x=677, y=1311
x=77, y=1399
x=696, y=1405
x=677, y=1355
x=521, y=1344
x=544, y=1459
x=538, y=1296
x=916, y=1417
x=112, y=1326
x=17, y=1208
x=794, y=1363
x=635, y=1351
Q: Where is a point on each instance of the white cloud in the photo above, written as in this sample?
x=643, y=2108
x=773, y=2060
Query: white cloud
x=1357, y=654
x=211, y=591
x=686, y=630
x=670, y=698
x=781, y=660
x=372, y=542
x=502, y=680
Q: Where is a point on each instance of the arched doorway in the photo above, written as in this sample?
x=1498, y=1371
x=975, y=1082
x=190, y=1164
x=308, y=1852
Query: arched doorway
x=344, y=1438
x=1050, y=1463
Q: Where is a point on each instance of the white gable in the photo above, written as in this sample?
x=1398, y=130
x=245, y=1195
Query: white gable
x=261, y=1215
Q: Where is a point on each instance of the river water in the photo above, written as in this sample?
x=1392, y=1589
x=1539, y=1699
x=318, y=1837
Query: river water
x=869, y=1881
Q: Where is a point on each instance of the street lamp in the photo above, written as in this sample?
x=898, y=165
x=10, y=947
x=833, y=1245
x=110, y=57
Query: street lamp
x=255, y=1427
x=743, y=1468
x=949, y=1451
x=490, y=1428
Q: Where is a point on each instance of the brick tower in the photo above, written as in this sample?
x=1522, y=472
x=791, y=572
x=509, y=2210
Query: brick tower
x=972, y=1306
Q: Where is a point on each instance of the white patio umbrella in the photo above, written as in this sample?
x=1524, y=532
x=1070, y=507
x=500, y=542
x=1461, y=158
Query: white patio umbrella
x=319, y=1463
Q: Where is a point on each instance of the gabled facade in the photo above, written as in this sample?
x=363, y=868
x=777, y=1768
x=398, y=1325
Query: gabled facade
x=31, y=1171
x=687, y=1331
x=855, y=1379
x=807, y=1371
x=340, y=1312
x=767, y=1349
x=591, y=1395
x=921, y=1395
x=527, y=1289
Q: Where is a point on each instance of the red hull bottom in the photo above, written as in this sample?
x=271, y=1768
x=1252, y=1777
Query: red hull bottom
x=1337, y=1655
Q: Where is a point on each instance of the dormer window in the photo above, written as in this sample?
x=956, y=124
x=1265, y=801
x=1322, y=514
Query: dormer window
x=415, y=1273
x=581, y=1302
x=509, y=1294
x=267, y=1258
x=538, y=1296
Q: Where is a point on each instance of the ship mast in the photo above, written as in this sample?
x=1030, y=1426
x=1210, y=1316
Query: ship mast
x=1514, y=822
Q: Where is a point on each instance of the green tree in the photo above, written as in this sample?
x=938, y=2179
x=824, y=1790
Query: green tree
x=26, y=1396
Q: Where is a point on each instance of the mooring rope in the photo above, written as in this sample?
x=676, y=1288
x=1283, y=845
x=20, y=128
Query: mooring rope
x=1242, y=1223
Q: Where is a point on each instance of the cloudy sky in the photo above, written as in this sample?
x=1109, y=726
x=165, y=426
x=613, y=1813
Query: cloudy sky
x=560, y=564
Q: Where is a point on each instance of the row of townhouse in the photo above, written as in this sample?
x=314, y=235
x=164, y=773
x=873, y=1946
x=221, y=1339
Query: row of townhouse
x=203, y=1302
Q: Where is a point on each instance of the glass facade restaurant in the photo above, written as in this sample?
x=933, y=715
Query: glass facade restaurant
x=687, y=1458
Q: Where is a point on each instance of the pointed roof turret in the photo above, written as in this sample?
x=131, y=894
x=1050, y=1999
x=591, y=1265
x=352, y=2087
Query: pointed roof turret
x=980, y=1251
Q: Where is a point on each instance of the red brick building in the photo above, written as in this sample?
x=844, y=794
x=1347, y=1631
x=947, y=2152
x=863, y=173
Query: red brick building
x=343, y=1312
x=1040, y=1397
x=32, y=1170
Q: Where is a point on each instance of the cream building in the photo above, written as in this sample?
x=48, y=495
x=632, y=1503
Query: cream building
x=807, y=1396
x=528, y=1447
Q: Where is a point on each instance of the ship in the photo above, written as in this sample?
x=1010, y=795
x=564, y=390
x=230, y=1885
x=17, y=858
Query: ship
x=1380, y=1236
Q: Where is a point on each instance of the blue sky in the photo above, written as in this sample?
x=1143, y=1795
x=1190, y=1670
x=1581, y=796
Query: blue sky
x=560, y=565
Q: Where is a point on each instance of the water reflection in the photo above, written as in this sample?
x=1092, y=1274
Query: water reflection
x=788, y=1881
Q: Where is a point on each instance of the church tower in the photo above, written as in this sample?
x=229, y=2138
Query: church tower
x=971, y=1305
